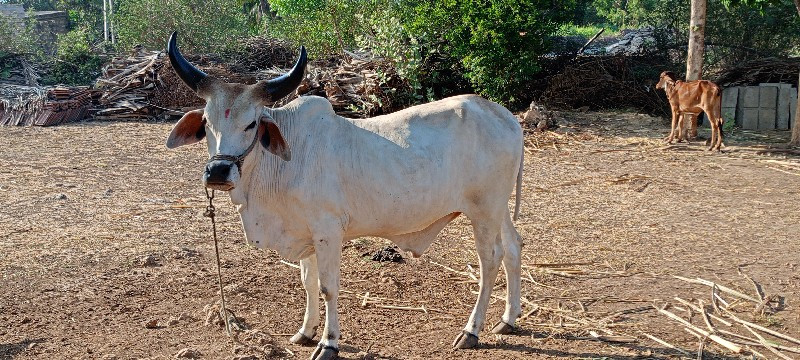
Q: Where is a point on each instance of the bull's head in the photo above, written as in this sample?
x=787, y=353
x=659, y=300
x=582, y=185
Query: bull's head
x=667, y=78
x=233, y=119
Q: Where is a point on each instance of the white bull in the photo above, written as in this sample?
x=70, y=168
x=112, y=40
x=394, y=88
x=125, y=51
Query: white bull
x=319, y=179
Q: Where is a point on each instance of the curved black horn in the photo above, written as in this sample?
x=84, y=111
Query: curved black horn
x=281, y=86
x=190, y=75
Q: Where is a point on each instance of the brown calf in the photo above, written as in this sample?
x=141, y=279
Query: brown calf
x=691, y=98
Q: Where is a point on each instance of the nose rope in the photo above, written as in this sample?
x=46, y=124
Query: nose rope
x=238, y=160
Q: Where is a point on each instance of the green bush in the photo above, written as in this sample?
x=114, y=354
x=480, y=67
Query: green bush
x=75, y=62
x=18, y=37
x=498, y=42
x=324, y=26
x=204, y=26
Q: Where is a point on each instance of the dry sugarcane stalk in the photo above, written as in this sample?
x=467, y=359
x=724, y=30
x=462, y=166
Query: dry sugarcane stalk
x=719, y=340
x=668, y=345
x=698, y=309
x=612, y=338
x=366, y=298
x=409, y=308
x=759, y=310
x=767, y=345
x=721, y=288
x=759, y=290
x=744, y=340
x=290, y=264
x=759, y=327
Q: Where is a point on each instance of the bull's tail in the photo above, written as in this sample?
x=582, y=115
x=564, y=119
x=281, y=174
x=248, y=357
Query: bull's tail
x=518, y=199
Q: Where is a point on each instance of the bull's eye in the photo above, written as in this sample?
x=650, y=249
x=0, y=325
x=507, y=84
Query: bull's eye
x=252, y=125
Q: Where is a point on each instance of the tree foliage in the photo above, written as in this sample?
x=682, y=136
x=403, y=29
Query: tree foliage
x=205, y=26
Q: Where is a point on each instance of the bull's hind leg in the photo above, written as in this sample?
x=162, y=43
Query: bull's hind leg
x=490, y=253
x=512, y=263
x=309, y=275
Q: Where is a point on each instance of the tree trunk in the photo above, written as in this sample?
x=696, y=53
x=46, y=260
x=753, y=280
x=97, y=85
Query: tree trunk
x=105, y=21
x=796, y=126
x=697, y=47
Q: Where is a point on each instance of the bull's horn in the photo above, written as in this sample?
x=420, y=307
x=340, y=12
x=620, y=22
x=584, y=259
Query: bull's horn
x=190, y=75
x=281, y=86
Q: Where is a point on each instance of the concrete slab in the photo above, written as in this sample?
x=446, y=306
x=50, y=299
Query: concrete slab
x=748, y=96
x=730, y=96
x=749, y=118
x=766, y=119
x=768, y=97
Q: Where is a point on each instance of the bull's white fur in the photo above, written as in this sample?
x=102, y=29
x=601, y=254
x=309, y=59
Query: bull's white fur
x=401, y=176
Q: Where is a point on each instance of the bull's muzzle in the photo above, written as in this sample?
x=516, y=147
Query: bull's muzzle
x=217, y=175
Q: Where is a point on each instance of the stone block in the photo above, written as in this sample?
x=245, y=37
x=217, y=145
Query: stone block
x=768, y=97
x=749, y=118
x=730, y=96
x=748, y=96
x=766, y=119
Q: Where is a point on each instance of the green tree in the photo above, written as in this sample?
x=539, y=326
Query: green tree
x=498, y=42
x=204, y=26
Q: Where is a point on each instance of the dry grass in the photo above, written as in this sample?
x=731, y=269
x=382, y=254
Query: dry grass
x=102, y=234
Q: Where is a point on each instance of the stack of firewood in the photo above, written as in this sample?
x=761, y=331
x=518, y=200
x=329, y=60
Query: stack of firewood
x=26, y=105
x=127, y=82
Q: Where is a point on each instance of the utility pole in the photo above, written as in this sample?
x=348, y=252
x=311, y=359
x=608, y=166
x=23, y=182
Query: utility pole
x=105, y=21
x=111, y=21
x=697, y=47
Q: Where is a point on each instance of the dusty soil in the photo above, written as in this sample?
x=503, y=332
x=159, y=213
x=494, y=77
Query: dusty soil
x=105, y=254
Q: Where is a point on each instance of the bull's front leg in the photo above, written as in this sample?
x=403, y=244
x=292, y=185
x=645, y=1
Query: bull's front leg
x=328, y=250
x=309, y=274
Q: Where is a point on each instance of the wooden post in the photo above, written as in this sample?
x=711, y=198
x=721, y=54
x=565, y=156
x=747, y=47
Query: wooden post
x=697, y=46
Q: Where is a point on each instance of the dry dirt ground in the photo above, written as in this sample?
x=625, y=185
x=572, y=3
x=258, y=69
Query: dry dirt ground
x=105, y=254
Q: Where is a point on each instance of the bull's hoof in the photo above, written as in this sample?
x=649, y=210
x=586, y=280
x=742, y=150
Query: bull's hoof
x=324, y=352
x=503, y=328
x=465, y=340
x=301, y=339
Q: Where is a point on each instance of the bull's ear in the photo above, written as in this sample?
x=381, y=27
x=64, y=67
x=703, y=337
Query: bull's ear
x=190, y=129
x=272, y=139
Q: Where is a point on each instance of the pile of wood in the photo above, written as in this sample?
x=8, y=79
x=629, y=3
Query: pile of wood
x=757, y=71
x=143, y=84
x=356, y=87
x=126, y=83
x=30, y=105
x=608, y=82
x=260, y=52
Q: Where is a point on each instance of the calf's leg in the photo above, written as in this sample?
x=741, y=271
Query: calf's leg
x=671, y=136
x=512, y=263
x=490, y=253
x=309, y=275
